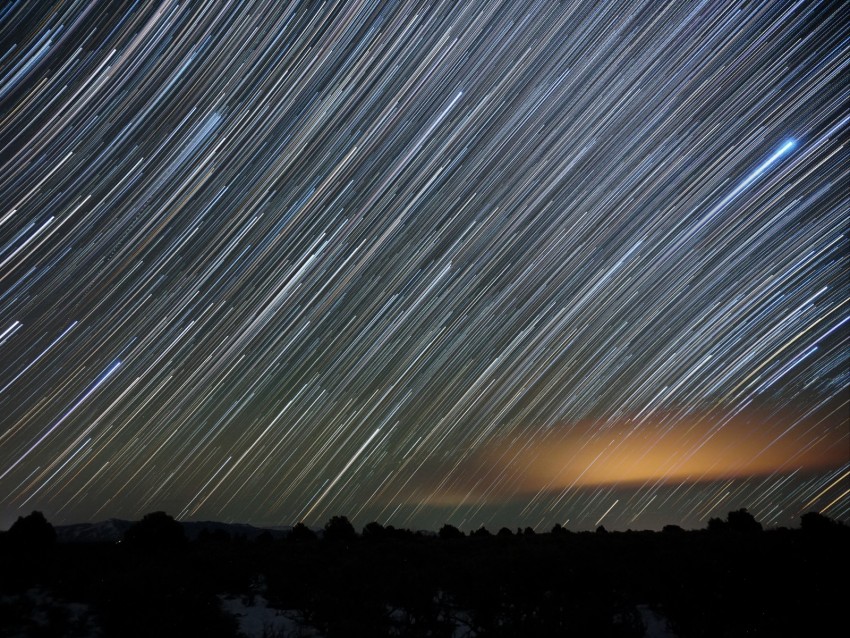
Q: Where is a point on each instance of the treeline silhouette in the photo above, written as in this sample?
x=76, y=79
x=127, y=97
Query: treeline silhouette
x=731, y=579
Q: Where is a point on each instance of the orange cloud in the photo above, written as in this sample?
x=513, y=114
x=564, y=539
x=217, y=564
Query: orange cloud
x=748, y=445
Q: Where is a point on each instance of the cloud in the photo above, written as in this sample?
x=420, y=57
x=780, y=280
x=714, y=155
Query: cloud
x=699, y=448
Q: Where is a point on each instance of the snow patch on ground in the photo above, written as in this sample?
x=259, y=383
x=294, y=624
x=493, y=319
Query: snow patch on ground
x=37, y=612
x=657, y=626
x=257, y=620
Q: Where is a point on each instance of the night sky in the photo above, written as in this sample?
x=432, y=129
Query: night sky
x=500, y=263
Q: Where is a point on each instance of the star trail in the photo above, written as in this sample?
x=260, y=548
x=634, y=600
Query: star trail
x=500, y=263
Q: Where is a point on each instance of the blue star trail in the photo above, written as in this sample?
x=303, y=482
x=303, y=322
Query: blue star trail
x=499, y=263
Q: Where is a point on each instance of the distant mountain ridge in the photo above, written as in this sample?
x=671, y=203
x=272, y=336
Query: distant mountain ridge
x=249, y=532
x=112, y=530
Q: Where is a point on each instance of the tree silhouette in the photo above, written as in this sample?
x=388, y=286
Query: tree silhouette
x=817, y=523
x=301, y=533
x=374, y=531
x=449, y=531
x=481, y=532
x=264, y=538
x=213, y=536
x=339, y=529
x=742, y=521
x=156, y=530
x=32, y=531
x=672, y=529
x=716, y=525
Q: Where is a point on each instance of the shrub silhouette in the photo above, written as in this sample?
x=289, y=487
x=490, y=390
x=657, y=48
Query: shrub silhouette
x=32, y=531
x=156, y=530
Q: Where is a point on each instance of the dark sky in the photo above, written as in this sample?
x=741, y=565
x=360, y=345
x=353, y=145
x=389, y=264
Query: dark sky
x=500, y=263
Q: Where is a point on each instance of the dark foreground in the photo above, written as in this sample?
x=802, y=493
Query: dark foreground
x=713, y=583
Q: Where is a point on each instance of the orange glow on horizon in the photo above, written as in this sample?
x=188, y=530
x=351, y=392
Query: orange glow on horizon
x=590, y=454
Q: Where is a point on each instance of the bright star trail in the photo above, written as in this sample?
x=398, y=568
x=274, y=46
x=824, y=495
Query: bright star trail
x=500, y=263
